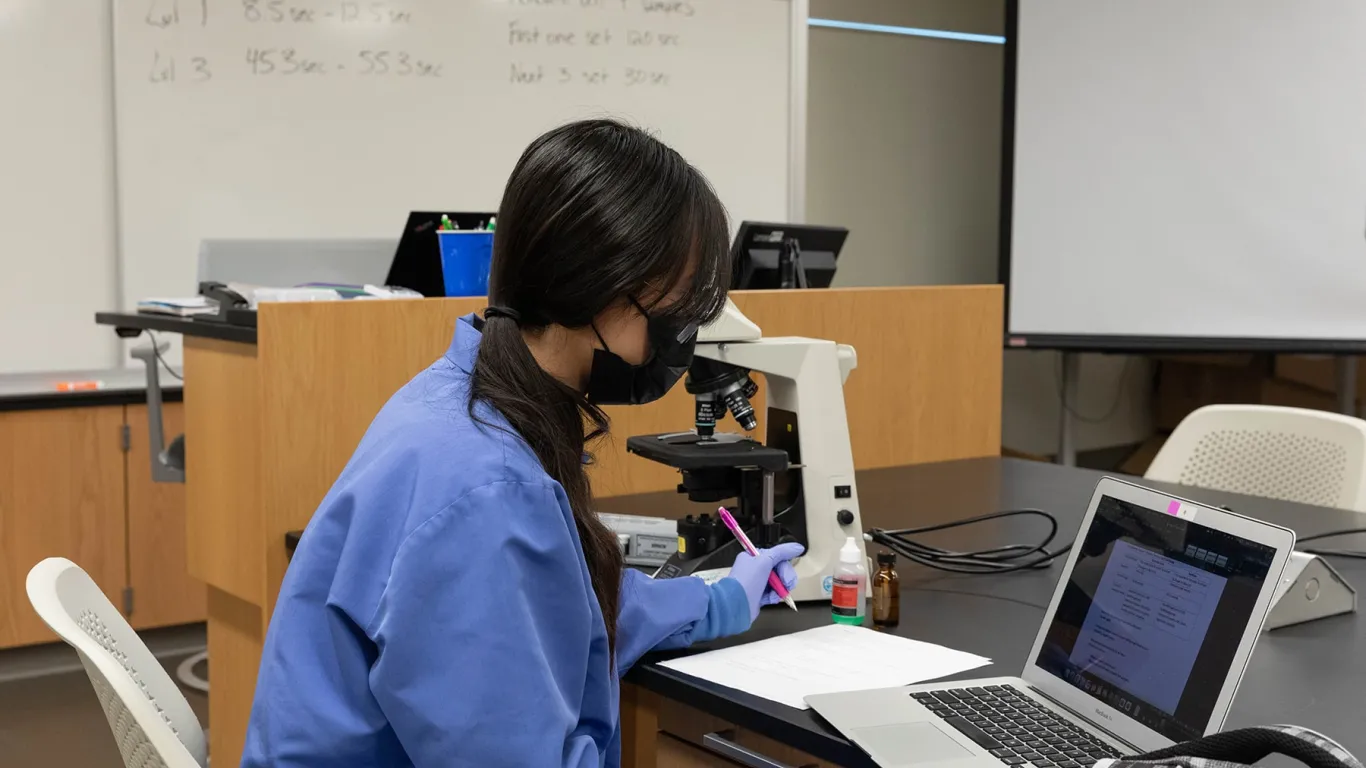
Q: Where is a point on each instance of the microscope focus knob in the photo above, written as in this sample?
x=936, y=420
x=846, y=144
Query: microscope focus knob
x=845, y=517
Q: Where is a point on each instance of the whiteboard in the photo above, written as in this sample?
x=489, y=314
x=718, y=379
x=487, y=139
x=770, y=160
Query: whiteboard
x=56, y=185
x=325, y=119
x=1190, y=172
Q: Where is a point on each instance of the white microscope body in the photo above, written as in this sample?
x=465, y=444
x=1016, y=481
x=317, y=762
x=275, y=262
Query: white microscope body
x=804, y=377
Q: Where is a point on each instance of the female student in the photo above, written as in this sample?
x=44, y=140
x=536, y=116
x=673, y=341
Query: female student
x=455, y=601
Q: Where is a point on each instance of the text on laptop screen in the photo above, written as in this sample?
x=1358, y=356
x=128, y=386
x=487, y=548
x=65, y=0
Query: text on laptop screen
x=1153, y=614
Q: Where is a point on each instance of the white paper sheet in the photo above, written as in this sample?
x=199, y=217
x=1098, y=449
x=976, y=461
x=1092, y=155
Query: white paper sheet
x=829, y=659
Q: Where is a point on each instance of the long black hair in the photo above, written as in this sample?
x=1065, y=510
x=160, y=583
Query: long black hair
x=595, y=213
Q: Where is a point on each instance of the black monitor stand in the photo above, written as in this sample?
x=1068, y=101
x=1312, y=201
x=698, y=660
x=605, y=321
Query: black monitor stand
x=785, y=256
x=791, y=274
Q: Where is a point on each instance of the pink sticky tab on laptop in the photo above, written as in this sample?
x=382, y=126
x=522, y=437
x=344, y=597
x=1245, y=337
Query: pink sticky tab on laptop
x=1174, y=507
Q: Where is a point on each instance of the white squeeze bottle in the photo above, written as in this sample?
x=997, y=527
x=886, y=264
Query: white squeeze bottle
x=849, y=585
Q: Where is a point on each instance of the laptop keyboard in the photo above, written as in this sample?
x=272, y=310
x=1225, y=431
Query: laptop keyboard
x=1015, y=728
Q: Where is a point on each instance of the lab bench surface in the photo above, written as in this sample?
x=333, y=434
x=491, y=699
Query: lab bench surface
x=121, y=386
x=185, y=326
x=1310, y=674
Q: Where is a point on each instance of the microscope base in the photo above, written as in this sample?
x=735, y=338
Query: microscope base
x=812, y=585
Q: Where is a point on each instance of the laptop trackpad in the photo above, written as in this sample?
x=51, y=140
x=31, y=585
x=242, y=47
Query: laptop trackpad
x=915, y=743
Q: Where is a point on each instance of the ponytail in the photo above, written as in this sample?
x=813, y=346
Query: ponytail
x=551, y=417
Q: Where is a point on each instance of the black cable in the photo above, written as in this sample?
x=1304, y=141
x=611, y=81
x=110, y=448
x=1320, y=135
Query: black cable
x=156, y=350
x=1353, y=554
x=1002, y=598
x=1114, y=404
x=1330, y=534
x=1007, y=559
x=1350, y=553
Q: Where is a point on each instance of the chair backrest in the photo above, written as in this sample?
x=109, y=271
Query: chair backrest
x=151, y=720
x=1294, y=454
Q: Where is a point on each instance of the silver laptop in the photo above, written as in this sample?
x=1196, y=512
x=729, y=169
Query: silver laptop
x=1143, y=645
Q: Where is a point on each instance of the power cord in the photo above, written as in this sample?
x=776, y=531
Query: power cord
x=984, y=595
x=156, y=350
x=1114, y=404
x=1021, y=557
x=1350, y=553
x=1007, y=559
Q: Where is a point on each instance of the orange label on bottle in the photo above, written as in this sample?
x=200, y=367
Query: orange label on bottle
x=845, y=597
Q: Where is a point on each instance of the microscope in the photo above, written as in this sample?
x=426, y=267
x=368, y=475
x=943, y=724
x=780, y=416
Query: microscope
x=797, y=485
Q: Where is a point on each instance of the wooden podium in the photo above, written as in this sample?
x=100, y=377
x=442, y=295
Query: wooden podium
x=269, y=425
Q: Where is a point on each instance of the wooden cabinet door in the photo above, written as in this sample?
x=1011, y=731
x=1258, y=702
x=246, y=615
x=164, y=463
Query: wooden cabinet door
x=61, y=495
x=164, y=594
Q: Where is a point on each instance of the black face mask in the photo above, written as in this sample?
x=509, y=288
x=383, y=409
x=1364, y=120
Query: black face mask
x=613, y=381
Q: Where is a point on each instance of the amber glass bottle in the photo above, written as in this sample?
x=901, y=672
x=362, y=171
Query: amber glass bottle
x=886, y=592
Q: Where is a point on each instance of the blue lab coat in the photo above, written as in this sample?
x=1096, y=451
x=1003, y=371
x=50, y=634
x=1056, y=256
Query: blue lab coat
x=438, y=611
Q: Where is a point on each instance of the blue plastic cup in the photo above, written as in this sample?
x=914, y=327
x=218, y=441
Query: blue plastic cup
x=465, y=259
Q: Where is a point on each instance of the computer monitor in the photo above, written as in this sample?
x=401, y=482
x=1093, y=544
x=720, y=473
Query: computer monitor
x=785, y=255
x=417, y=262
x=286, y=263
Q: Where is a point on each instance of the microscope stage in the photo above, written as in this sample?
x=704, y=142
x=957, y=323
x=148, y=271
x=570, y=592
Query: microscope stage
x=687, y=450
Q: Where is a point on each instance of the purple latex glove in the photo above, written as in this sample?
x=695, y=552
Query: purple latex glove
x=752, y=573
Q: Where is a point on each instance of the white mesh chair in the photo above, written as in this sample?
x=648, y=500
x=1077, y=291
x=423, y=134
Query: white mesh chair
x=151, y=720
x=1293, y=454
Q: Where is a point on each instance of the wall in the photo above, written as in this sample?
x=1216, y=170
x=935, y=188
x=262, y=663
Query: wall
x=919, y=195
x=1113, y=407
x=903, y=148
x=57, y=262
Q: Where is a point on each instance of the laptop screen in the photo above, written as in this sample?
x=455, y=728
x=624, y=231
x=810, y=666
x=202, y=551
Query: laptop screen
x=1153, y=614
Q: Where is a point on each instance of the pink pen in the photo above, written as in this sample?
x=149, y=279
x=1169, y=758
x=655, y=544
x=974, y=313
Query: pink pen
x=773, y=580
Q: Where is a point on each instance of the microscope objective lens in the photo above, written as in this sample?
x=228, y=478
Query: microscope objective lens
x=742, y=411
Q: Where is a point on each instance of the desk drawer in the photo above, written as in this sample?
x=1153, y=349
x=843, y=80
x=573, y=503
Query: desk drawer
x=693, y=726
